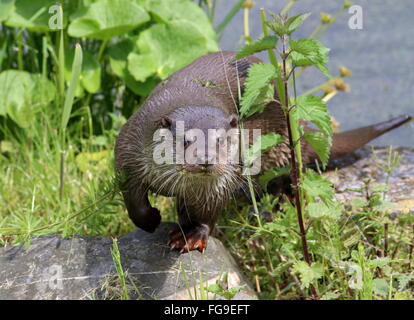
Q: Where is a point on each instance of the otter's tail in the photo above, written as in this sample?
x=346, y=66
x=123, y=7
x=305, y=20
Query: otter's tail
x=346, y=142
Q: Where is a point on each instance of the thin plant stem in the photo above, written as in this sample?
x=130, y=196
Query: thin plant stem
x=271, y=52
x=20, y=50
x=246, y=25
x=319, y=87
x=232, y=13
x=287, y=7
x=296, y=161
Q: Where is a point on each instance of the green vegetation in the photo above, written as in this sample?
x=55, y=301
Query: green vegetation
x=65, y=93
x=314, y=247
x=70, y=76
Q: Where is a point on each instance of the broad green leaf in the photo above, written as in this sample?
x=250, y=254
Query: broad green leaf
x=308, y=273
x=31, y=15
x=167, y=11
x=23, y=94
x=294, y=23
x=163, y=49
x=6, y=8
x=269, y=175
x=309, y=52
x=262, y=144
x=313, y=109
x=90, y=75
x=266, y=43
x=321, y=143
x=316, y=185
x=317, y=210
x=258, y=88
x=381, y=287
x=142, y=66
x=118, y=59
x=107, y=18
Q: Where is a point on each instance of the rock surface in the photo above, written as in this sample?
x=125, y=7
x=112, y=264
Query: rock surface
x=366, y=163
x=82, y=268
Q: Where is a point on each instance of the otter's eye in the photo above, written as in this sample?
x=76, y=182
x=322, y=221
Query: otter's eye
x=233, y=122
x=165, y=122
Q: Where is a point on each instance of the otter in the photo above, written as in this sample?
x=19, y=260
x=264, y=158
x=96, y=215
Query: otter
x=204, y=95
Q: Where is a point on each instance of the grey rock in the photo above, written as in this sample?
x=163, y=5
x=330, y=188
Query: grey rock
x=82, y=268
x=366, y=164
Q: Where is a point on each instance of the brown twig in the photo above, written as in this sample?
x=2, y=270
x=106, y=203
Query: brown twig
x=295, y=170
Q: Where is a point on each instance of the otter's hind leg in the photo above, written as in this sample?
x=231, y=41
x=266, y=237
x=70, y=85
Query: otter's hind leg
x=139, y=209
x=195, y=226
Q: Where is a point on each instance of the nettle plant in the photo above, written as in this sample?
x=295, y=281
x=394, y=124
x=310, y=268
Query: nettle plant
x=313, y=194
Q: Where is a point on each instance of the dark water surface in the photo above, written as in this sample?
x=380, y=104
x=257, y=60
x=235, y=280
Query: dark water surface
x=381, y=57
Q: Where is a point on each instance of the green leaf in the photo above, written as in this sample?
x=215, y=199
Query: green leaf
x=70, y=93
x=294, y=23
x=321, y=143
x=107, y=18
x=118, y=60
x=318, y=210
x=309, y=52
x=269, y=175
x=167, y=11
x=31, y=15
x=358, y=203
x=163, y=49
x=6, y=8
x=316, y=185
x=381, y=287
x=330, y=296
x=379, y=262
x=142, y=66
x=277, y=25
x=258, y=88
x=404, y=280
x=23, y=94
x=228, y=294
x=265, y=43
x=262, y=144
x=90, y=75
x=308, y=273
x=313, y=109
x=355, y=271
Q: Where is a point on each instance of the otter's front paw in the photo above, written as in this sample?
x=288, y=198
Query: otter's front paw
x=193, y=238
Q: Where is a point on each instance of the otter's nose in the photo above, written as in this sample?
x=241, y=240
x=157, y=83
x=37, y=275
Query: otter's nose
x=205, y=165
x=206, y=162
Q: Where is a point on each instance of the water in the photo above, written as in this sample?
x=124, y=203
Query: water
x=381, y=57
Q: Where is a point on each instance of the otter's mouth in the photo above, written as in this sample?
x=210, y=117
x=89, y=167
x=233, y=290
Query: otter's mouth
x=196, y=170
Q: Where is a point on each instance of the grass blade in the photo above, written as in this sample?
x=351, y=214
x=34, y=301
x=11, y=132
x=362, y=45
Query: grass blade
x=70, y=94
x=220, y=28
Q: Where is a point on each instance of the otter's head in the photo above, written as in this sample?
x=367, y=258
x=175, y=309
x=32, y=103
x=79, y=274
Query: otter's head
x=196, y=147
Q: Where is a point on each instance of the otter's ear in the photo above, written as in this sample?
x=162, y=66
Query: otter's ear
x=233, y=121
x=165, y=122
